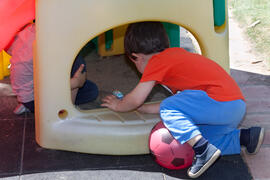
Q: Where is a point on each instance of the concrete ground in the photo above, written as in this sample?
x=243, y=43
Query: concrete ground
x=253, y=77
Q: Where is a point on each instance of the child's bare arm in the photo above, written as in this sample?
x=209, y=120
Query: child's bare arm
x=149, y=108
x=78, y=78
x=76, y=82
x=130, y=101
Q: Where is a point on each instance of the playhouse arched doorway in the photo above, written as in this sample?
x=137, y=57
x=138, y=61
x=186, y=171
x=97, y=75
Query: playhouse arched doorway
x=64, y=28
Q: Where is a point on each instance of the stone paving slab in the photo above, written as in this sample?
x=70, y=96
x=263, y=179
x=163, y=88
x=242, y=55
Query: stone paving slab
x=96, y=175
x=259, y=164
x=258, y=119
x=256, y=92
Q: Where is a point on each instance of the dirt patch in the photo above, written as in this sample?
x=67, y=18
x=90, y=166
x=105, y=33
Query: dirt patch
x=243, y=55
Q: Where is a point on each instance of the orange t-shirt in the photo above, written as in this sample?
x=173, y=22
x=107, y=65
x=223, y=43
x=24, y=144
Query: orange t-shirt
x=181, y=70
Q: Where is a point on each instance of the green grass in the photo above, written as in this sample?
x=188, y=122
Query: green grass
x=249, y=11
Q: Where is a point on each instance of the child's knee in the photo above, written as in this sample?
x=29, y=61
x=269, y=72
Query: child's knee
x=168, y=103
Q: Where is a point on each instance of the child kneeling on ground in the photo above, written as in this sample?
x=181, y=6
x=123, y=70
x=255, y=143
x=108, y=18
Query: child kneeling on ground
x=207, y=105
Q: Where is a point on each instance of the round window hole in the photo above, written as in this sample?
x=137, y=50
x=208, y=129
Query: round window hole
x=62, y=114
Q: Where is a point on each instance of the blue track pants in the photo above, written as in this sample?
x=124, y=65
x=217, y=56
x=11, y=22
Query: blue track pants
x=193, y=112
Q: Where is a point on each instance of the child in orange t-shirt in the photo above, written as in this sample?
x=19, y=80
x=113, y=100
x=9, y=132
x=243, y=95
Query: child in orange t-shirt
x=207, y=105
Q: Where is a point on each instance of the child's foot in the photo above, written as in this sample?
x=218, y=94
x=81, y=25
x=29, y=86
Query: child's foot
x=202, y=162
x=20, y=109
x=254, y=139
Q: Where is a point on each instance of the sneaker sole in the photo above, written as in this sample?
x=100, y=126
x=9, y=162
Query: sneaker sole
x=261, y=137
x=206, y=166
x=21, y=110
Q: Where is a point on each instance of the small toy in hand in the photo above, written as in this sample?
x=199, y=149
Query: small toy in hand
x=118, y=94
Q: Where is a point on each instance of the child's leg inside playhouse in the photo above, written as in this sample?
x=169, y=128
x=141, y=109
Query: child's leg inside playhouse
x=89, y=91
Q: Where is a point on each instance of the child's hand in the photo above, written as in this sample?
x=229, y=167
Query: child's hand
x=110, y=102
x=79, y=78
x=132, y=100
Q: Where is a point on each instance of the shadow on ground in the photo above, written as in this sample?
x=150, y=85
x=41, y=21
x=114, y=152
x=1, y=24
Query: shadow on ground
x=21, y=155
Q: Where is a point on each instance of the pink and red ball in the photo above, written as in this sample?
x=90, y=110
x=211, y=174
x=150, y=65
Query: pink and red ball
x=167, y=151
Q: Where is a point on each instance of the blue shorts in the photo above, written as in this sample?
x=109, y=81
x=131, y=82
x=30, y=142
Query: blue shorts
x=193, y=112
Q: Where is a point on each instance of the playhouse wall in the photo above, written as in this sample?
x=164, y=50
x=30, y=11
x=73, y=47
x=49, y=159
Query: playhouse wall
x=63, y=28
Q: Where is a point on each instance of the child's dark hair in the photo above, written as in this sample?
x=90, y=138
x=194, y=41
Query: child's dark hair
x=146, y=38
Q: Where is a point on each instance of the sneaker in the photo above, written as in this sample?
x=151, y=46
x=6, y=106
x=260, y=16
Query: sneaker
x=255, y=140
x=202, y=162
x=20, y=109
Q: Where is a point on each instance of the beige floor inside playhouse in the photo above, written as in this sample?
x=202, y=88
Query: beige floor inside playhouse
x=115, y=73
x=118, y=73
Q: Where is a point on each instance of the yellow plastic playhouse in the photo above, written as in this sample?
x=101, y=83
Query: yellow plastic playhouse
x=64, y=27
x=4, y=64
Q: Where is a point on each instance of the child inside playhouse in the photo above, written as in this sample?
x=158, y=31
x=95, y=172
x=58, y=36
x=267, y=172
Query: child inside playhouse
x=21, y=73
x=207, y=110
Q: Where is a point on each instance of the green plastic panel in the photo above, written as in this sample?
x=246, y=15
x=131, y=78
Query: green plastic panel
x=219, y=12
x=173, y=32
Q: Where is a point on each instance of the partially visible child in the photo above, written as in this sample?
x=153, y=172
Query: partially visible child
x=82, y=89
x=21, y=70
x=207, y=111
x=21, y=75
